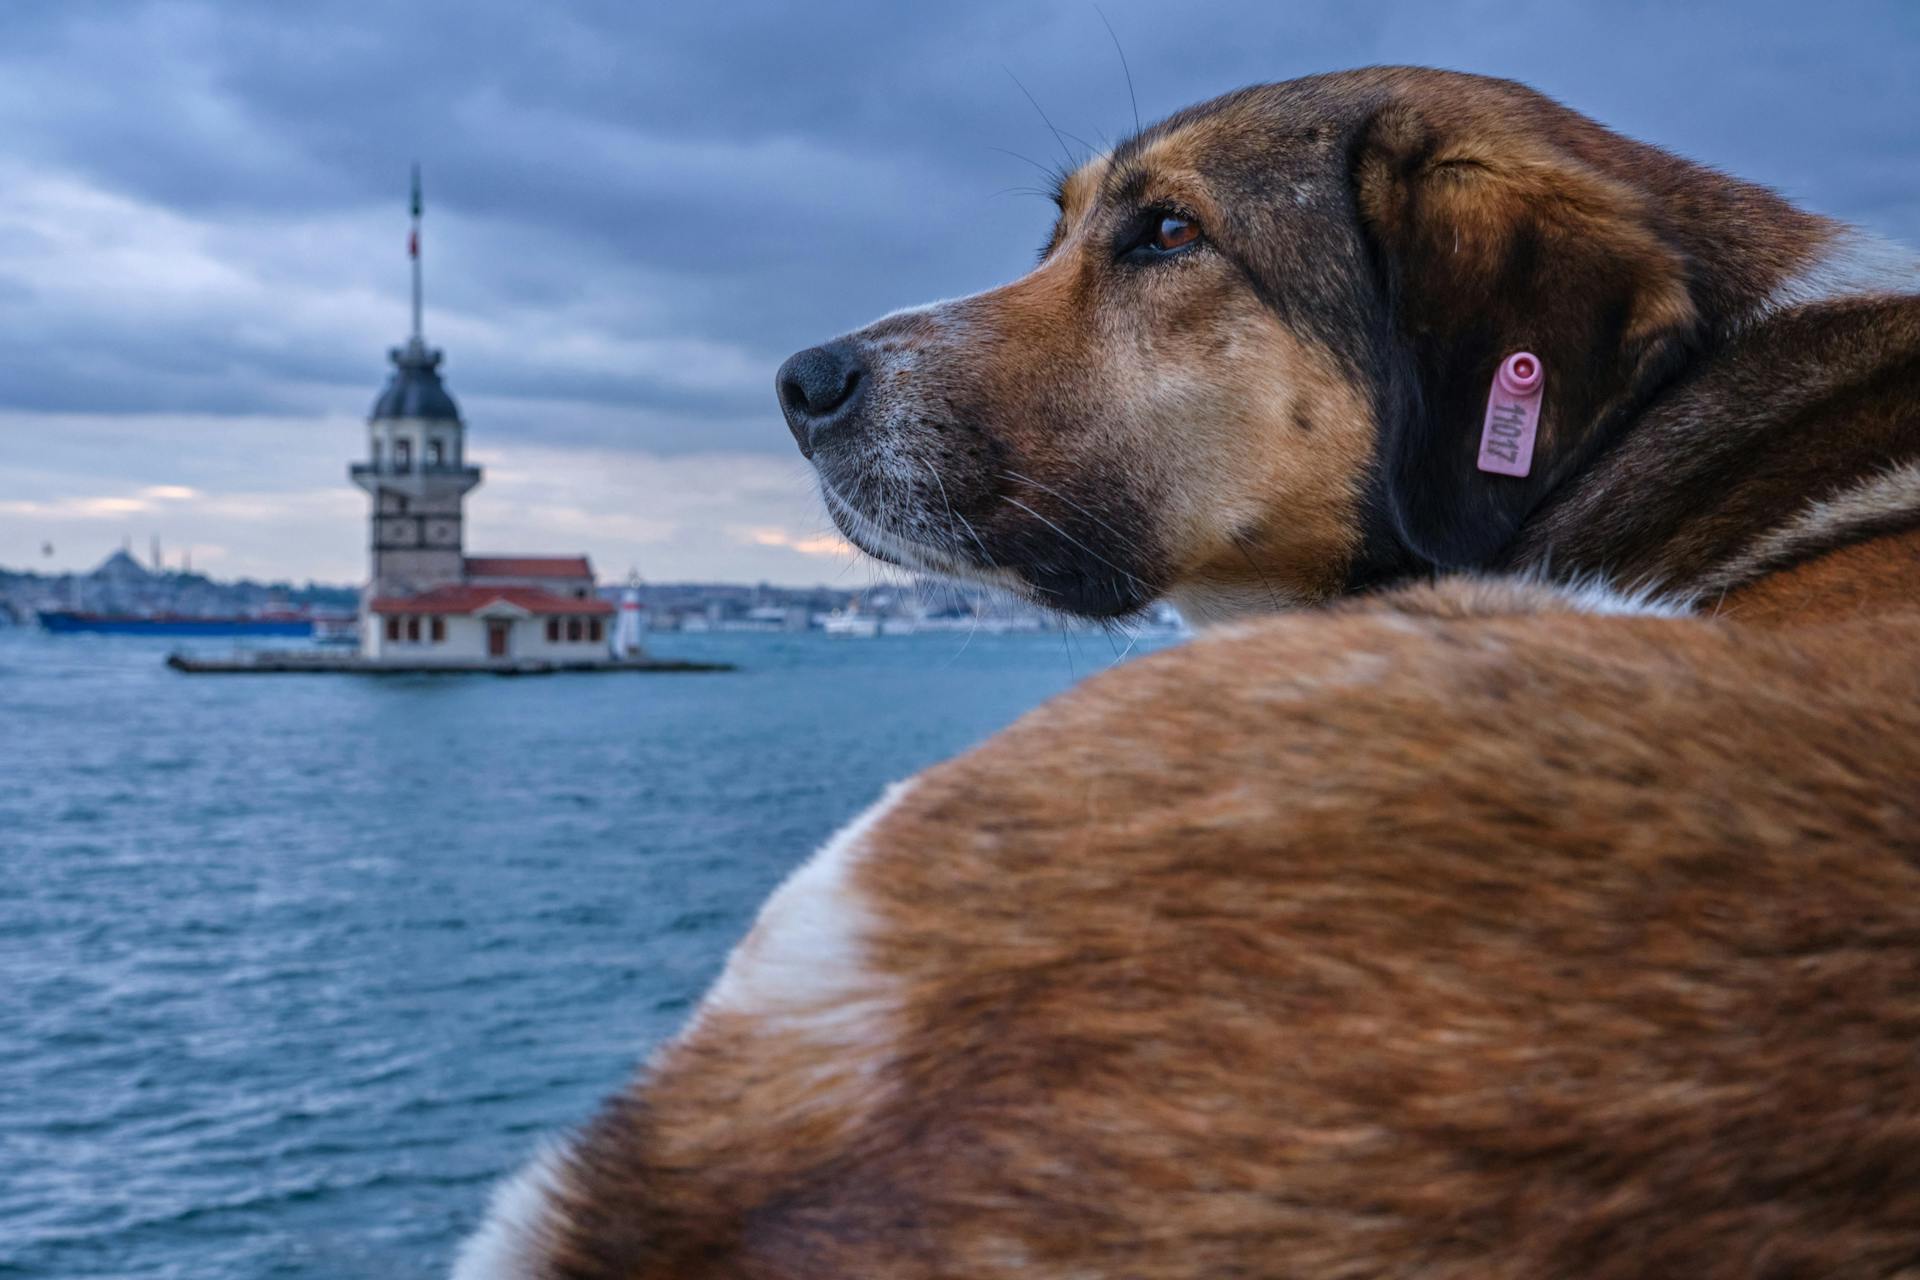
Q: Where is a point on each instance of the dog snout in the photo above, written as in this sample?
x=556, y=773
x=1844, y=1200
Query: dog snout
x=820, y=389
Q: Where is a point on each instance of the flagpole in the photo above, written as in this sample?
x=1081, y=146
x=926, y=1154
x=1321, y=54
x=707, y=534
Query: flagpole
x=413, y=251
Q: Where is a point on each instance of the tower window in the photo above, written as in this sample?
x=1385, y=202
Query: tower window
x=436, y=453
x=376, y=452
x=403, y=455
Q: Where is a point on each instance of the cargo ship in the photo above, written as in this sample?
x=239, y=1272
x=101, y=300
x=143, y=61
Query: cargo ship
x=175, y=624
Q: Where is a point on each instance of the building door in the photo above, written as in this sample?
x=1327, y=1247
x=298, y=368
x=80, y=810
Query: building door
x=497, y=638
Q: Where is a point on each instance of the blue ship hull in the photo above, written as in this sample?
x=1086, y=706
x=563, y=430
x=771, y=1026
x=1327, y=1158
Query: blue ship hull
x=134, y=625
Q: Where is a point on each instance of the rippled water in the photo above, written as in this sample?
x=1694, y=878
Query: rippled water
x=292, y=967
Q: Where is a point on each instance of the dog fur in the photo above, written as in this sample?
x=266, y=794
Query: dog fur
x=1550, y=907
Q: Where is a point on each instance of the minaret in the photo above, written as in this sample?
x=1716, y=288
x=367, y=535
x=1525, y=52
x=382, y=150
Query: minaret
x=416, y=470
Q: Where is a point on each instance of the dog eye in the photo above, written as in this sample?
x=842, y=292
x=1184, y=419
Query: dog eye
x=1159, y=234
x=1174, y=233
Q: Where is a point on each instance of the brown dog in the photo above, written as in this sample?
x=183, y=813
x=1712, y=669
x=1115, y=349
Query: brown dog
x=1455, y=932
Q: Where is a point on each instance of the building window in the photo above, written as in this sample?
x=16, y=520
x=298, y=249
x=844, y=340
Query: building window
x=403, y=455
x=436, y=453
x=438, y=629
x=573, y=629
x=413, y=631
x=593, y=630
x=393, y=629
x=553, y=631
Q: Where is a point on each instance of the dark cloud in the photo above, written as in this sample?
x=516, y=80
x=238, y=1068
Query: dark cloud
x=647, y=206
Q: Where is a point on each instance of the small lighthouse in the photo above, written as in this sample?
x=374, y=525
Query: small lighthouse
x=626, y=632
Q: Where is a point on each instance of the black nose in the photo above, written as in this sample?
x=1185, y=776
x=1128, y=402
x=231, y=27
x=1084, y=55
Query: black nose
x=820, y=388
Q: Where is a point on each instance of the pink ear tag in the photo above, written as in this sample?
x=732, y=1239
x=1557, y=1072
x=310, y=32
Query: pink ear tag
x=1513, y=415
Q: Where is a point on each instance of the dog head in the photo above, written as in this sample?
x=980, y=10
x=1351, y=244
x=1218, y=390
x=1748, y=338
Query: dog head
x=1251, y=367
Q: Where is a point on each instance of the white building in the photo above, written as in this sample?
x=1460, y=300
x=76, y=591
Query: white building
x=426, y=599
x=459, y=623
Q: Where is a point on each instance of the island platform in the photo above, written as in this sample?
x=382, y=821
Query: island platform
x=295, y=662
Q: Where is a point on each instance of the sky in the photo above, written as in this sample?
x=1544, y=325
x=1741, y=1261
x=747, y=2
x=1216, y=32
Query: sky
x=635, y=211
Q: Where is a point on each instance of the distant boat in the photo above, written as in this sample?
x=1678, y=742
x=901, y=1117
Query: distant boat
x=850, y=626
x=336, y=628
x=176, y=624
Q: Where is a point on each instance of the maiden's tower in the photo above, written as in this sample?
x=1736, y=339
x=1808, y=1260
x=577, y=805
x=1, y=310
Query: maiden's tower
x=426, y=599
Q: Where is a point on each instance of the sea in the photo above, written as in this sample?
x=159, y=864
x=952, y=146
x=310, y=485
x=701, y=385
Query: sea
x=292, y=968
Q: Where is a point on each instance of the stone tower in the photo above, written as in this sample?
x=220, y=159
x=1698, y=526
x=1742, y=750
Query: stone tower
x=416, y=470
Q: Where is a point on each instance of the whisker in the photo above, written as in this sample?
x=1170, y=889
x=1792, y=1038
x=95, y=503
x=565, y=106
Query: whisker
x=955, y=515
x=1124, y=68
x=1043, y=116
x=1273, y=595
x=1049, y=489
x=1076, y=542
x=974, y=534
x=1125, y=542
x=1051, y=173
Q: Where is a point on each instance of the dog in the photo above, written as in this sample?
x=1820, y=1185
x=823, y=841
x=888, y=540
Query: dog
x=1546, y=904
x=1250, y=369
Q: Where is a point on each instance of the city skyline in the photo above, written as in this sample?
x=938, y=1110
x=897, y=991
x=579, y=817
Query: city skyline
x=632, y=218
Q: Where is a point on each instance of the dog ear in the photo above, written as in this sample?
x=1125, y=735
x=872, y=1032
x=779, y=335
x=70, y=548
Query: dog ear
x=1490, y=240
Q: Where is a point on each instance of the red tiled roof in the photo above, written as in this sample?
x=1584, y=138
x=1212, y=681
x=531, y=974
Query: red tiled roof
x=464, y=600
x=528, y=567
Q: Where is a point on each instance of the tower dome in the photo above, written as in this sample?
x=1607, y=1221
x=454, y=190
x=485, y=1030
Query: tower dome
x=415, y=389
